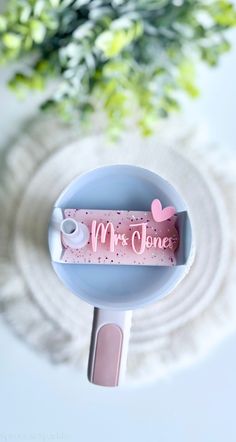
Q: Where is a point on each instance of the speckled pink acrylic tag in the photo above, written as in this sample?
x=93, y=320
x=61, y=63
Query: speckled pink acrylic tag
x=124, y=237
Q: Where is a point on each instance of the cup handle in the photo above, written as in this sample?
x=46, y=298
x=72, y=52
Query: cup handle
x=109, y=346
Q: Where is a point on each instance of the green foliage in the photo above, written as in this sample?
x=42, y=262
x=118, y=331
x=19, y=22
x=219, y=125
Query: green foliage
x=130, y=58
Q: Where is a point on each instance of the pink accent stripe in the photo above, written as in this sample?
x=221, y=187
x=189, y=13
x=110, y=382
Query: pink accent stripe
x=107, y=356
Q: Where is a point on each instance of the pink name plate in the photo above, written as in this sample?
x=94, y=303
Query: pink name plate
x=117, y=237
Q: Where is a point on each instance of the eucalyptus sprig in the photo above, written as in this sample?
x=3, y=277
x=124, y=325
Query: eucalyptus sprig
x=131, y=58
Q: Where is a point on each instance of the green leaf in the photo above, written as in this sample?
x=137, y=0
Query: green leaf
x=224, y=13
x=55, y=3
x=19, y=84
x=39, y=7
x=3, y=23
x=186, y=78
x=25, y=13
x=112, y=42
x=11, y=40
x=38, y=31
x=37, y=82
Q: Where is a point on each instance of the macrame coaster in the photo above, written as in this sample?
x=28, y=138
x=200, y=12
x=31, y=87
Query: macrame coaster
x=168, y=335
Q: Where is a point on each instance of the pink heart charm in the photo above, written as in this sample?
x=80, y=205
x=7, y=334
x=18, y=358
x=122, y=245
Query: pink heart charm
x=159, y=214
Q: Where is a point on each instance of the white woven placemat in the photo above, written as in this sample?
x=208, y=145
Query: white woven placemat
x=170, y=334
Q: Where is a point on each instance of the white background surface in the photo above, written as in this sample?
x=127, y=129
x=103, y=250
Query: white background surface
x=40, y=402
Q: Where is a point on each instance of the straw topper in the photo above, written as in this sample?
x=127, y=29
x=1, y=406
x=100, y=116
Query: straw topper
x=119, y=236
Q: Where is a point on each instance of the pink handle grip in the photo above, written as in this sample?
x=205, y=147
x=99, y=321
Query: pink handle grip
x=109, y=345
